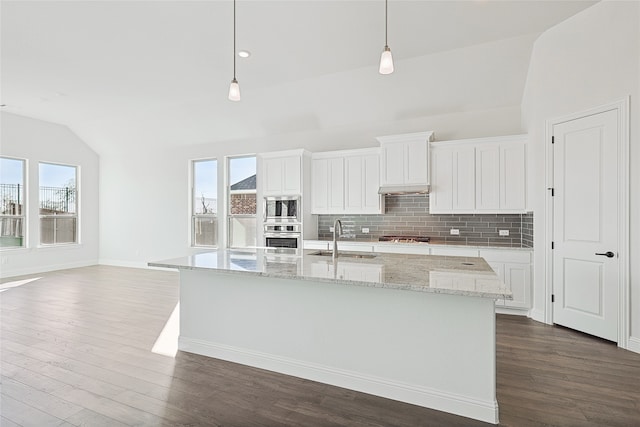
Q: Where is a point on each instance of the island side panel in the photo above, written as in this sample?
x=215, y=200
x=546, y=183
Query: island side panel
x=433, y=350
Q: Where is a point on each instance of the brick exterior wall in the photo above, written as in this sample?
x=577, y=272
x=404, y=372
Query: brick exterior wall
x=243, y=204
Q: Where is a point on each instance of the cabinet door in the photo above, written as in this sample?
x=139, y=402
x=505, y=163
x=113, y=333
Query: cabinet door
x=335, y=184
x=513, y=176
x=372, y=201
x=319, y=186
x=498, y=267
x=392, y=164
x=464, y=179
x=353, y=183
x=291, y=175
x=416, y=160
x=487, y=177
x=518, y=278
x=441, y=194
x=272, y=176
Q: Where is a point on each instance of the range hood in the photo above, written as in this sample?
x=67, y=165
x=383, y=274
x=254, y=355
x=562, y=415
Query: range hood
x=404, y=189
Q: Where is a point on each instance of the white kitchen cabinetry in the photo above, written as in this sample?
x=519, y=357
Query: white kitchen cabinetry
x=404, y=161
x=327, y=185
x=454, y=251
x=514, y=268
x=281, y=173
x=501, y=177
x=346, y=182
x=486, y=175
x=453, y=179
x=362, y=177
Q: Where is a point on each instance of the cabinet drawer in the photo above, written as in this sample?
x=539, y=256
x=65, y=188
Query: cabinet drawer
x=506, y=255
x=402, y=249
x=454, y=252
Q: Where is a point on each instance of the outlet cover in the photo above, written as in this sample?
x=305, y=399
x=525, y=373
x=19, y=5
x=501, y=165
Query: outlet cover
x=331, y=229
x=455, y=232
x=503, y=232
x=365, y=230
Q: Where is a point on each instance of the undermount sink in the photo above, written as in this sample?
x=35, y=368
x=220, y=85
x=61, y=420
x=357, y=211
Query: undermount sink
x=344, y=254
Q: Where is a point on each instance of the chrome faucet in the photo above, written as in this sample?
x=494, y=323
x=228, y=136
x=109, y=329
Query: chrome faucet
x=337, y=225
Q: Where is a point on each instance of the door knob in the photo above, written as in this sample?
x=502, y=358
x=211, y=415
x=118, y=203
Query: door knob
x=607, y=254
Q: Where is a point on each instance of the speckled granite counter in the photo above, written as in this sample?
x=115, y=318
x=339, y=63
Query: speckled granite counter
x=415, y=328
x=423, y=273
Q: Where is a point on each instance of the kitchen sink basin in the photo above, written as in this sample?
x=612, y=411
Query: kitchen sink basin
x=344, y=254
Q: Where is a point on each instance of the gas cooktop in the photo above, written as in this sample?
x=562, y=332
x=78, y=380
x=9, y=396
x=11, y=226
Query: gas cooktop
x=404, y=239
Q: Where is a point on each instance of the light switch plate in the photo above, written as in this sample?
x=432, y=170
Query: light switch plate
x=503, y=232
x=455, y=232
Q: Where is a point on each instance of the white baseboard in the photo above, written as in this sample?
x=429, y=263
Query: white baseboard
x=512, y=311
x=415, y=394
x=634, y=344
x=6, y=273
x=120, y=263
x=537, y=315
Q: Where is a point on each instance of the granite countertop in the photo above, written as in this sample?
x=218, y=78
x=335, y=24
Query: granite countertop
x=468, y=276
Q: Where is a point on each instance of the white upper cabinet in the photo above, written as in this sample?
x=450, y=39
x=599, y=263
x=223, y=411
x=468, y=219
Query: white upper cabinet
x=486, y=175
x=327, y=184
x=404, y=161
x=346, y=182
x=281, y=173
x=453, y=180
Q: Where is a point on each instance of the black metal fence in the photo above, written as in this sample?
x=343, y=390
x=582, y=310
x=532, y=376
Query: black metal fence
x=57, y=200
x=53, y=200
x=11, y=199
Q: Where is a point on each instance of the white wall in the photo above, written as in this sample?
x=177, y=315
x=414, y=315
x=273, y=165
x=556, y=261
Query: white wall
x=591, y=59
x=144, y=207
x=39, y=141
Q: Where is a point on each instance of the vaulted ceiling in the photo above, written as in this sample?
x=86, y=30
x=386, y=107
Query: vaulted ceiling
x=157, y=72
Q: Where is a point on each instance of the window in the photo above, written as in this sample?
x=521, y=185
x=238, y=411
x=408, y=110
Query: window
x=12, y=215
x=204, y=203
x=58, y=204
x=242, y=202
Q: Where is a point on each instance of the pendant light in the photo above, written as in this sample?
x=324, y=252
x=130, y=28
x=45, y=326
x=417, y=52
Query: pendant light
x=234, y=87
x=386, y=60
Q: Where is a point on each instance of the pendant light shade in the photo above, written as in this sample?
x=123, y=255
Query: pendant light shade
x=234, y=91
x=234, y=87
x=386, y=60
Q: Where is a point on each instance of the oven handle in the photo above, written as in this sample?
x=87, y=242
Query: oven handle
x=283, y=235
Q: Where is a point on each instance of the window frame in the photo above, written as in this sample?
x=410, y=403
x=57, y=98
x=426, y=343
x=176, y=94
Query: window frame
x=193, y=216
x=25, y=204
x=227, y=191
x=75, y=215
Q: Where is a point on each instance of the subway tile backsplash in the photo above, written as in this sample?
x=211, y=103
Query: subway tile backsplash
x=409, y=215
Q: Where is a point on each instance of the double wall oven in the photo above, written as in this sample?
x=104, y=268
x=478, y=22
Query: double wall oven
x=282, y=222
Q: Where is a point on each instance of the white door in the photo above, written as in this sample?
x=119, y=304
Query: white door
x=585, y=224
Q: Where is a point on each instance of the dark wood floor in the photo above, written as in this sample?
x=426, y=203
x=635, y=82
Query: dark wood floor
x=75, y=350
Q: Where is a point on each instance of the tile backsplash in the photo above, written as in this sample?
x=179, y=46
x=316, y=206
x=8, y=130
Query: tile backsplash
x=409, y=215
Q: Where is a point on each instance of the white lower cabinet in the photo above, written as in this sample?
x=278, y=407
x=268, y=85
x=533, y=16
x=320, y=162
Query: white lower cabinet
x=514, y=268
x=454, y=251
x=347, y=271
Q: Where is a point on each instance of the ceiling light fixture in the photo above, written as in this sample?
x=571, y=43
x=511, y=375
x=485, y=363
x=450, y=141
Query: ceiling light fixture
x=234, y=88
x=386, y=60
x=244, y=53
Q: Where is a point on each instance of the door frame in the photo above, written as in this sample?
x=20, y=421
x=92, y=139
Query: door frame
x=622, y=107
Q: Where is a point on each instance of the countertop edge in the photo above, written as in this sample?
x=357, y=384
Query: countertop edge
x=381, y=285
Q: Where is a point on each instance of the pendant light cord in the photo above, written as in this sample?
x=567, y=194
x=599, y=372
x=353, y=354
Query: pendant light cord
x=234, y=39
x=386, y=21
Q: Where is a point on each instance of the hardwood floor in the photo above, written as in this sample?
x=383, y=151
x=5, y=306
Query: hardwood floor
x=76, y=351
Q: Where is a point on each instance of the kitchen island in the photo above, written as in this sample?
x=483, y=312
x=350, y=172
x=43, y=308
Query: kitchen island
x=414, y=328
